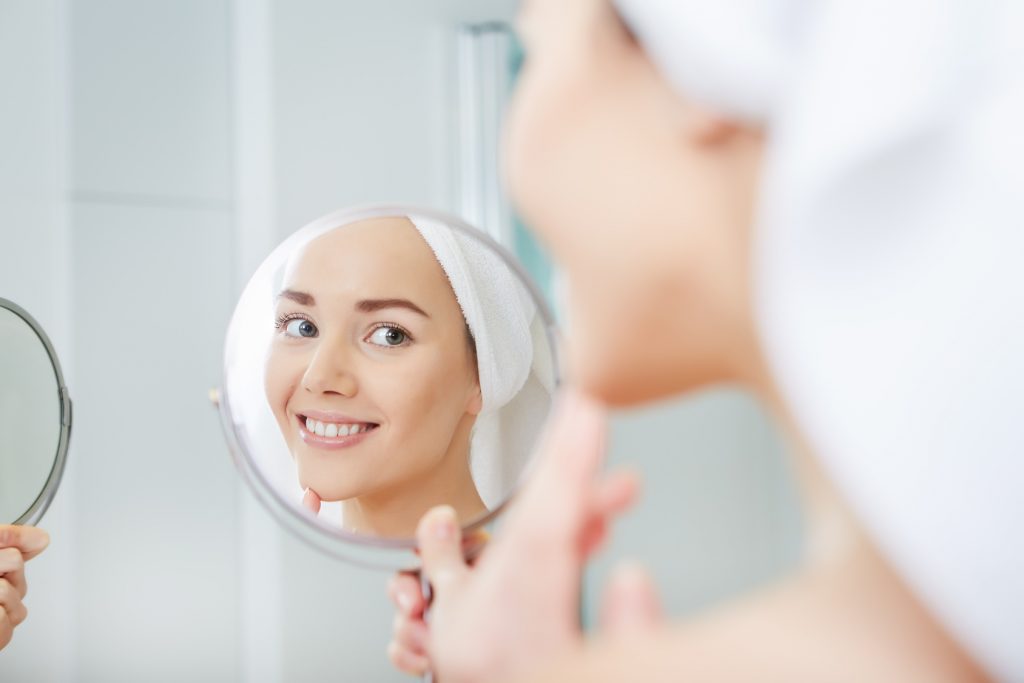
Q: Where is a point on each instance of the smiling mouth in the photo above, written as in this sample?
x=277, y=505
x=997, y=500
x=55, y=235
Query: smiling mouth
x=333, y=434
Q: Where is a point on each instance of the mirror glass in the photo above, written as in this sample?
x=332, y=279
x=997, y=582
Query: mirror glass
x=381, y=361
x=35, y=418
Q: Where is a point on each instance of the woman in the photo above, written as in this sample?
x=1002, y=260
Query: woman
x=402, y=371
x=876, y=309
x=372, y=378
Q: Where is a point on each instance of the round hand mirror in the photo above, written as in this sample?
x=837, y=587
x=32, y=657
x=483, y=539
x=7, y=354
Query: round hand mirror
x=381, y=361
x=35, y=418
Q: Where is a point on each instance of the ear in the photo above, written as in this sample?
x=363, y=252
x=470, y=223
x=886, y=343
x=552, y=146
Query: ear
x=707, y=129
x=476, y=400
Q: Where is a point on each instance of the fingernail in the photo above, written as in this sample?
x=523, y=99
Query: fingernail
x=443, y=526
x=403, y=602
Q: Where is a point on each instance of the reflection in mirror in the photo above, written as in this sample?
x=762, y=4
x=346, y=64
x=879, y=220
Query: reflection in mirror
x=35, y=418
x=381, y=363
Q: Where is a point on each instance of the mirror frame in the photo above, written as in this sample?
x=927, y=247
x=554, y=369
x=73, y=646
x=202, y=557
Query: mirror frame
x=366, y=551
x=42, y=502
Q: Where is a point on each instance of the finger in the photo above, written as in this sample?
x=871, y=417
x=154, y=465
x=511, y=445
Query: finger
x=630, y=603
x=612, y=496
x=12, y=568
x=615, y=493
x=6, y=628
x=29, y=540
x=406, y=661
x=557, y=500
x=410, y=634
x=440, y=545
x=407, y=595
x=10, y=600
x=311, y=501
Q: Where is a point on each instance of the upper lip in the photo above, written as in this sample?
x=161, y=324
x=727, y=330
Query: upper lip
x=329, y=416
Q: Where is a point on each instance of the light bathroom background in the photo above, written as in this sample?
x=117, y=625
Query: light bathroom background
x=151, y=153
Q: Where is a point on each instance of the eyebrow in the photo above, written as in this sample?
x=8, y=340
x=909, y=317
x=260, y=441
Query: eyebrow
x=371, y=305
x=298, y=297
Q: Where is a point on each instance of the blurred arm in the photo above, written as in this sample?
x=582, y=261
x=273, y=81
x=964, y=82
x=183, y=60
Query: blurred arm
x=848, y=620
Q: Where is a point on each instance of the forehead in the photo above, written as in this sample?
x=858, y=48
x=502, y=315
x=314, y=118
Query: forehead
x=375, y=258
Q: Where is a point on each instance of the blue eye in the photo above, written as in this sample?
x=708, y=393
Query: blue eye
x=300, y=327
x=387, y=335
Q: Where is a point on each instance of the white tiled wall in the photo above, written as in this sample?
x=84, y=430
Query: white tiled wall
x=157, y=567
x=151, y=98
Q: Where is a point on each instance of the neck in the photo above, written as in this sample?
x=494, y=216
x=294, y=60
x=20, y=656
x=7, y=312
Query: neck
x=394, y=512
x=830, y=529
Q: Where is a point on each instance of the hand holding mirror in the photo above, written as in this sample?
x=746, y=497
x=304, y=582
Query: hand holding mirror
x=35, y=418
x=35, y=428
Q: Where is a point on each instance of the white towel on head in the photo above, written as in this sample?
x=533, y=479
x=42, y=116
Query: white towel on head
x=889, y=282
x=497, y=307
x=734, y=55
x=514, y=357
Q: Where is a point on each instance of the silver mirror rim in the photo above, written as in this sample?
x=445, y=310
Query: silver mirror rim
x=42, y=502
x=368, y=552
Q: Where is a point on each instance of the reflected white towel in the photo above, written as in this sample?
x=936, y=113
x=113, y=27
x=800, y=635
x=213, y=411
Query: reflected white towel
x=514, y=357
x=498, y=310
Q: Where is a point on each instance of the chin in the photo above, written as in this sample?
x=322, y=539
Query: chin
x=614, y=385
x=330, y=486
x=331, y=493
x=619, y=387
x=620, y=376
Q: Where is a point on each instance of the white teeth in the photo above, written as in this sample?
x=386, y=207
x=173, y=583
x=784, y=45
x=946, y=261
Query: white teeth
x=333, y=430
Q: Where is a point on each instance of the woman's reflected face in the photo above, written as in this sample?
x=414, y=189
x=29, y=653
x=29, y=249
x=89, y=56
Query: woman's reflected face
x=369, y=374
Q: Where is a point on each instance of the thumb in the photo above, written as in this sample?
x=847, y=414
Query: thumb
x=440, y=546
x=556, y=501
x=29, y=540
x=311, y=501
x=630, y=603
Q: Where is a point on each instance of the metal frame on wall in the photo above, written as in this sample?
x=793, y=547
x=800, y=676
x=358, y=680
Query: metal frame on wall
x=484, y=83
x=489, y=58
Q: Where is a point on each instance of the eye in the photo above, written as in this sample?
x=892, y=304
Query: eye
x=297, y=327
x=389, y=336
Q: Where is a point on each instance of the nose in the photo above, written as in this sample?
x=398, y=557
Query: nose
x=330, y=372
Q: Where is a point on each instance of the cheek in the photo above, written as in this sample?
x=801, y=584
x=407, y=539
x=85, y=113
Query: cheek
x=422, y=399
x=542, y=160
x=282, y=375
x=568, y=142
x=274, y=384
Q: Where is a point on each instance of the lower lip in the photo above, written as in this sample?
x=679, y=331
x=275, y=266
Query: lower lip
x=331, y=442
